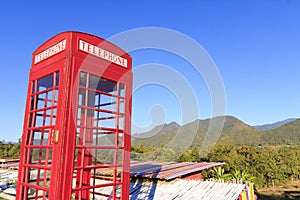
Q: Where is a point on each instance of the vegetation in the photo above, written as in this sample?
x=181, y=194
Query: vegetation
x=9, y=150
x=269, y=165
x=265, y=166
x=218, y=173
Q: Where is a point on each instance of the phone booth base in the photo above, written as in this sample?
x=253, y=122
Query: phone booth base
x=77, y=121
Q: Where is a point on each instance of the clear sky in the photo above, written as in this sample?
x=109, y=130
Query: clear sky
x=254, y=44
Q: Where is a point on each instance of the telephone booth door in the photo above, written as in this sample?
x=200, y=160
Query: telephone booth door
x=40, y=135
x=99, y=137
x=77, y=121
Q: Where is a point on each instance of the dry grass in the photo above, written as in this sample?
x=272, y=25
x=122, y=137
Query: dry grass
x=288, y=191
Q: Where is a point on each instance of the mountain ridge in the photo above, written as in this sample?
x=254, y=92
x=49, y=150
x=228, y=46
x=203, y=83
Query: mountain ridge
x=265, y=127
x=234, y=131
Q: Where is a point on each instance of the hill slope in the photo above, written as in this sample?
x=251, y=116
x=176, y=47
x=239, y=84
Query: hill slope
x=266, y=127
x=288, y=134
x=234, y=132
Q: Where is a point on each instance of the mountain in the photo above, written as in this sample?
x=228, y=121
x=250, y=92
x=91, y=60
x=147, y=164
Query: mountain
x=234, y=132
x=266, y=127
x=158, y=134
x=288, y=134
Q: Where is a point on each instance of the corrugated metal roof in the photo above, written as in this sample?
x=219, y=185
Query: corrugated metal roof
x=206, y=190
x=163, y=170
x=181, y=190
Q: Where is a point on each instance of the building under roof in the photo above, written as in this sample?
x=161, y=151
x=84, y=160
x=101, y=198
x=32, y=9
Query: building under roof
x=172, y=180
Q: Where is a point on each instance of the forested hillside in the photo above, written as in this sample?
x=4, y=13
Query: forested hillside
x=234, y=132
x=288, y=134
x=274, y=125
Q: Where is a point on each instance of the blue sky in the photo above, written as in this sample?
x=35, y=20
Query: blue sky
x=254, y=44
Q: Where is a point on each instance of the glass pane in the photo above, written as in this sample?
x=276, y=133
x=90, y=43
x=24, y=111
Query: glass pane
x=56, y=97
x=91, y=99
x=94, y=81
x=121, y=106
x=103, y=155
x=38, y=156
x=78, y=140
x=81, y=116
x=121, y=123
x=32, y=102
x=37, y=138
x=122, y=90
x=81, y=97
x=57, y=79
x=41, y=101
x=107, y=102
x=49, y=98
x=120, y=139
x=48, y=118
x=83, y=79
x=45, y=83
x=39, y=120
x=120, y=156
x=108, y=86
x=54, y=117
x=103, y=138
x=33, y=87
x=106, y=120
x=77, y=157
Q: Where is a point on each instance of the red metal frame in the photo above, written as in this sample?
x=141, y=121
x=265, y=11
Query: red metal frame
x=77, y=120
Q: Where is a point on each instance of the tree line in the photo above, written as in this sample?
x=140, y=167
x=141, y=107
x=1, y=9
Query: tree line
x=265, y=166
x=9, y=150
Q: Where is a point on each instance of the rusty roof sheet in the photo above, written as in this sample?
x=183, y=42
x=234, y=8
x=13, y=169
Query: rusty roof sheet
x=163, y=170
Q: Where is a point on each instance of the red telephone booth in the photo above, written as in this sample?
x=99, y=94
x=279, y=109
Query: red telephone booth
x=77, y=121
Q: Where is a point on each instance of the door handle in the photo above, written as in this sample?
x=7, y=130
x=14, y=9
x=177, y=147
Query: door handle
x=56, y=136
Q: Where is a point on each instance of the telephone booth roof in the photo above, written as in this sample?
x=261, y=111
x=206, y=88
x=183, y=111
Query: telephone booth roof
x=82, y=45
